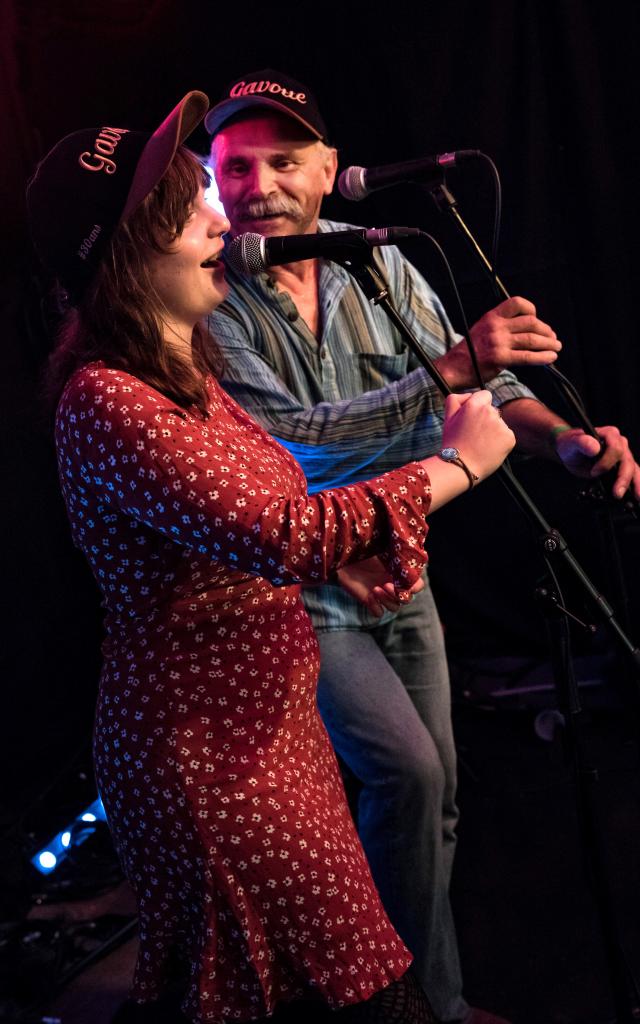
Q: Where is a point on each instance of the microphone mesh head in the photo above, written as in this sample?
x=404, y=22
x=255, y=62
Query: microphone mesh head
x=245, y=253
x=351, y=184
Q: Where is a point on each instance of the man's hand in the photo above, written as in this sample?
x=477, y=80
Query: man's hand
x=577, y=451
x=509, y=335
x=371, y=584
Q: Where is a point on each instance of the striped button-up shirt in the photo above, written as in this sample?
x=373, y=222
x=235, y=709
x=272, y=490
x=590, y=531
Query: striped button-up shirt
x=350, y=404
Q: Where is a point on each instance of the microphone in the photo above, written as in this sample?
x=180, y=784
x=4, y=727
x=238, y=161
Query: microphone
x=358, y=182
x=252, y=253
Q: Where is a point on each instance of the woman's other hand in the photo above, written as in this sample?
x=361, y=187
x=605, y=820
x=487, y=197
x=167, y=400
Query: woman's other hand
x=370, y=583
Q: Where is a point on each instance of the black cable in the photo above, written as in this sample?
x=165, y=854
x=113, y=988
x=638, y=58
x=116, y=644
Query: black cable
x=461, y=311
x=569, y=385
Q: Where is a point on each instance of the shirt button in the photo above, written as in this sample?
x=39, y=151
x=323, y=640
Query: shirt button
x=323, y=353
x=292, y=315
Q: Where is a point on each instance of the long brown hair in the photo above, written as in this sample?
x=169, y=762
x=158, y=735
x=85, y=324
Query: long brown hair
x=118, y=320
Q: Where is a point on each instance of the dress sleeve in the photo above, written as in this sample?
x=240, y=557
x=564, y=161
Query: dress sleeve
x=230, y=492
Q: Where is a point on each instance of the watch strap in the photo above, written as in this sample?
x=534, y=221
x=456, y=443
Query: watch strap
x=456, y=460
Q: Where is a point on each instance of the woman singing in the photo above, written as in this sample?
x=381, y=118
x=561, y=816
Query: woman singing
x=220, y=785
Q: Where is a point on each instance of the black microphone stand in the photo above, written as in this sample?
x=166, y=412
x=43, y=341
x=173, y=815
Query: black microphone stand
x=554, y=546
x=447, y=203
x=594, y=492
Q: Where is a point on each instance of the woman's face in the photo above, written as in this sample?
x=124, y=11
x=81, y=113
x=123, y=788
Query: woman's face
x=189, y=279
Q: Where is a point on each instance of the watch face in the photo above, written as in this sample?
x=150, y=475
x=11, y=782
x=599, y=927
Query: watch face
x=449, y=453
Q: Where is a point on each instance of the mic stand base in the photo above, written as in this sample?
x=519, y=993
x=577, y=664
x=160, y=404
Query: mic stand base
x=587, y=779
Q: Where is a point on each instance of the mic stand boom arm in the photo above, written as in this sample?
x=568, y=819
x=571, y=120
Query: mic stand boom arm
x=446, y=201
x=554, y=546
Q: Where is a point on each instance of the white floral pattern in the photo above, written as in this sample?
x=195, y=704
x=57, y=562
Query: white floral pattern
x=219, y=780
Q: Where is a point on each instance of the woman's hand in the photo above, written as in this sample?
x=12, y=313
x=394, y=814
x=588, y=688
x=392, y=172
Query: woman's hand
x=483, y=439
x=474, y=426
x=371, y=584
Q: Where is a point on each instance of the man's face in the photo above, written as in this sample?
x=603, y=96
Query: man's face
x=271, y=175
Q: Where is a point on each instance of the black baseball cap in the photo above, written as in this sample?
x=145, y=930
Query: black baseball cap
x=268, y=88
x=95, y=178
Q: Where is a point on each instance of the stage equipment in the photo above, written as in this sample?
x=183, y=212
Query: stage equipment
x=252, y=253
x=357, y=183
x=78, y=831
x=76, y=907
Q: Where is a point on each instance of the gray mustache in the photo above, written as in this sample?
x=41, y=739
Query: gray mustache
x=269, y=208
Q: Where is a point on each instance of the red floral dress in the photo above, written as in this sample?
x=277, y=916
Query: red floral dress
x=220, y=784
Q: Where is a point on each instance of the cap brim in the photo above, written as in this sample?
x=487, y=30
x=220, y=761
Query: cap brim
x=161, y=147
x=222, y=112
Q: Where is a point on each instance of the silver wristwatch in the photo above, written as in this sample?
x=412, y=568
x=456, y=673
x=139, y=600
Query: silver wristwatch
x=453, y=455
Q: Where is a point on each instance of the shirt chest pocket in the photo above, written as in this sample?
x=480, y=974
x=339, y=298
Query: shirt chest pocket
x=376, y=370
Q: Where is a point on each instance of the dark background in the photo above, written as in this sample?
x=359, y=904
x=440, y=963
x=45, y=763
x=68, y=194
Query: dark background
x=548, y=90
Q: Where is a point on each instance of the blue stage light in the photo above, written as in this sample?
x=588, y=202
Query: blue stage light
x=49, y=857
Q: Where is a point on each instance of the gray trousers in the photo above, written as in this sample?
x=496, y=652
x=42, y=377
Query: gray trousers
x=384, y=697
